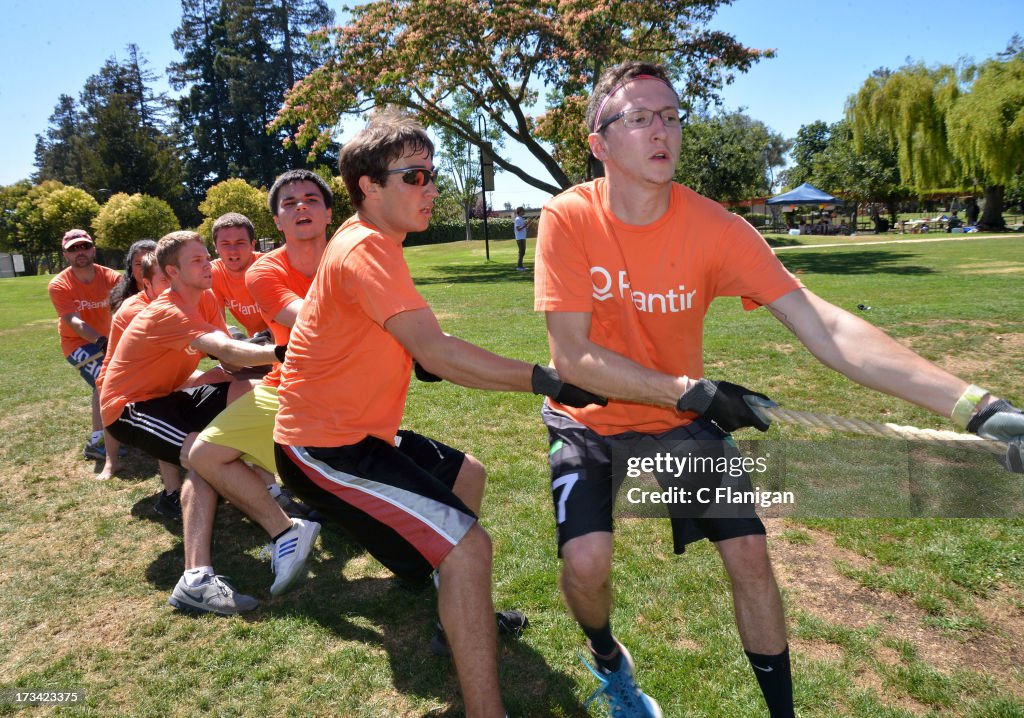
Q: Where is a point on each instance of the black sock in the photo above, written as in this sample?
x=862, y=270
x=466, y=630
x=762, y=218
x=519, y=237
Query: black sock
x=606, y=650
x=274, y=540
x=776, y=681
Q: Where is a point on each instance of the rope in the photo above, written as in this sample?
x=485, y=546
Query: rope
x=870, y=428
x=89, y=360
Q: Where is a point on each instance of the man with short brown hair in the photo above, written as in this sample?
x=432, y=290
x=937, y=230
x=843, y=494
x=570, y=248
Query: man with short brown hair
x=234, y=239
x=146, y=400
x=411, y=501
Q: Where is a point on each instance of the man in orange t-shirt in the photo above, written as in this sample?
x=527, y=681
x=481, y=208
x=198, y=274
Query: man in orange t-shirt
x=242, y=434
x=410, y=501
x=79, y=294
x=627, y=266
x=146, y=400
x=234, y=239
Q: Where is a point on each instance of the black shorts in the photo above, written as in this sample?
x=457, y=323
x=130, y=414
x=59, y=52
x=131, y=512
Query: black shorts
x=396, y=501
x=583, y=488
x=160, y=426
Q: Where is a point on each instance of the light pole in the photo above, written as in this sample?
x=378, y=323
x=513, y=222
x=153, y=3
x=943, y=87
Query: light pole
x=486, y=176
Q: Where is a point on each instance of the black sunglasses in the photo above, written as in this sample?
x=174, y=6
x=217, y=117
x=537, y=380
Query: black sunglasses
x=416, y=176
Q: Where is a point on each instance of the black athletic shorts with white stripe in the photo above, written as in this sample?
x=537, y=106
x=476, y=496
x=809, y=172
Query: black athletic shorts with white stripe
x=159, y=426
x=396, y=501
x=583, y=488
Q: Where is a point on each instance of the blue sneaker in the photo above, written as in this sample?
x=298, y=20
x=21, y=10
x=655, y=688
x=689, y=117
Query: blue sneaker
x=95, y=450
x=625, y=699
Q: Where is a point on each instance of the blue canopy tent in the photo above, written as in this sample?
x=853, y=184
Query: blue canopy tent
x=805, y=194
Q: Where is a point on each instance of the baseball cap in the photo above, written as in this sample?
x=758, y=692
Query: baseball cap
x=75, y=236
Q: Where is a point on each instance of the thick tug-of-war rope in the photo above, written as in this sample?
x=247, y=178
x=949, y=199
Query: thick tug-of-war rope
x=870, y=428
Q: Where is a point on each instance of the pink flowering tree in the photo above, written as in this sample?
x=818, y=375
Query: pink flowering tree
x=504, y=55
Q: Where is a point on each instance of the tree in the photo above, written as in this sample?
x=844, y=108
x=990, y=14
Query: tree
x=728, y=157
x=238, y=59
x=114, y=139
x=10, y=197
x=868, y=174
x=127, y=149
x=125, y=219
x=950, y=125
x=237, y=195
x=58, y=154
x=811, y=140
x=460, y=162
x=47, y=211
x=418, y=55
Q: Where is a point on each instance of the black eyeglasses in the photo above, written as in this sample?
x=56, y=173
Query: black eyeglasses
x=640, y=118
x=78, y=248
x=417, y=176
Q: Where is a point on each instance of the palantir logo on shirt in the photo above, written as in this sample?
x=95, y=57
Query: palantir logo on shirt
x=672, y=301
x=82, y=304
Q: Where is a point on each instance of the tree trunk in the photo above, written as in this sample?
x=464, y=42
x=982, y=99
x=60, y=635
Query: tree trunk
x=992, y=215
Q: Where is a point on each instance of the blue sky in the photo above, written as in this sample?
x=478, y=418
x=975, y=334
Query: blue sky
x=825, y=51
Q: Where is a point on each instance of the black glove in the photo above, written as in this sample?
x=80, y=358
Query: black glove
x=280, y=351
x=102, y=344
x=237, y=334
x=262, y=338
x=1002, y=421
x=546, y=381
x=422, y=374
x=731, y=406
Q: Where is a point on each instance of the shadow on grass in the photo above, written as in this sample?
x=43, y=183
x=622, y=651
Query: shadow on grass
x=404, y=620
x=873, y=262
x=483, y=273
x=375, y=611
x=782, y=240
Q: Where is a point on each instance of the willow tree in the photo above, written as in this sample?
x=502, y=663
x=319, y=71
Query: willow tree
x=503, y=54
x=950, y=125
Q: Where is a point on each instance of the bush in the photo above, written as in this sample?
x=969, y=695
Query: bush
x=237, y=195
x=442, y=232
x=125, y=219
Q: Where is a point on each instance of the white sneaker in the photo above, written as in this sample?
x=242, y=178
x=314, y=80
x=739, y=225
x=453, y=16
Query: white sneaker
x=213, y=594
x=289, y=555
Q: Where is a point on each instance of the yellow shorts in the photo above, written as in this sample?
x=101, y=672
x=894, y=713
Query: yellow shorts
x=247, y=425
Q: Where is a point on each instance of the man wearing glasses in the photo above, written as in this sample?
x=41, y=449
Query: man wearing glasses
x=412, y=502
x=627, y=266
x=79, y=294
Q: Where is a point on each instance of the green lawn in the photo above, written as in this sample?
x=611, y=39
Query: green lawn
x=890, y=618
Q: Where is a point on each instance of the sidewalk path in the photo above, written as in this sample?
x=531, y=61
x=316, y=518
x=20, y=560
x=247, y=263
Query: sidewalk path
x=952, y=238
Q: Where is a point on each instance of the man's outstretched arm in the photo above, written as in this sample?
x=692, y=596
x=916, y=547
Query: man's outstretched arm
x=468, y=365
x=864, y=353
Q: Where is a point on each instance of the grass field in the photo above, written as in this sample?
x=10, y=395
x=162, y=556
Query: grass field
x=888, y=618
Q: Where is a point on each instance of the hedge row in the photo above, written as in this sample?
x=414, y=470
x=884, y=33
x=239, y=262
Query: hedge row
x=440, y=233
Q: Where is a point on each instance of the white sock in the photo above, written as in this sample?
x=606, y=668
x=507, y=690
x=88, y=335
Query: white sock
x=274, y=490
x=195, y=576
x=97, y=437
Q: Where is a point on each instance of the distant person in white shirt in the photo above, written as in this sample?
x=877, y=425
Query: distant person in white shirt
x=521, y=225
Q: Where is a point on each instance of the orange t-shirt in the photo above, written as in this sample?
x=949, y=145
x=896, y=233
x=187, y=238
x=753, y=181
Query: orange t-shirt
x=122, y=317
x=648, y=287
x=233, y=295
x=345, y=377
x=153, y=357
x=274, y=284
x=70, y=295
